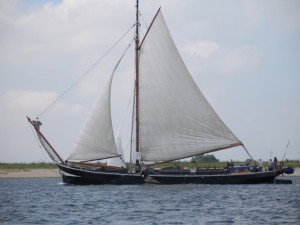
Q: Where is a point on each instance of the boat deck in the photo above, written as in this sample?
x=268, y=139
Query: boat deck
x=177, y=170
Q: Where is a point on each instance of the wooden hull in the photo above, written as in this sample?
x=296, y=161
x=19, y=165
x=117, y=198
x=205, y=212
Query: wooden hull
x=83, y=177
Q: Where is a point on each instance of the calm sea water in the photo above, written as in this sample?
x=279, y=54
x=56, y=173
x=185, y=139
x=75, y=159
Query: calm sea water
x=48, y=201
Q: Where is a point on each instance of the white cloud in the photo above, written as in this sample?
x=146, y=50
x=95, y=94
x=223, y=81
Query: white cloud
x=59, y=37
x=239, y=60
x=89, y=87
x=47, y=46
x=202, y=48
x=16, y=104
x=76, y=108
x=17, y=141
x=222, y=60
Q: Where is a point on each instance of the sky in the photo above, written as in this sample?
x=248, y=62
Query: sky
x=243, y=55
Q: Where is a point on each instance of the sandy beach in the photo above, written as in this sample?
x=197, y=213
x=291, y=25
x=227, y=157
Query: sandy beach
x=48, y=173
x=29, y=173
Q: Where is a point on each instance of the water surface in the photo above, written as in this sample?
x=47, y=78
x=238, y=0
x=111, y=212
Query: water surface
x=48, y=201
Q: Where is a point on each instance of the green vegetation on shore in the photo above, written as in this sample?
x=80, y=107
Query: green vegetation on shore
x=16, y=166
x=292, y=163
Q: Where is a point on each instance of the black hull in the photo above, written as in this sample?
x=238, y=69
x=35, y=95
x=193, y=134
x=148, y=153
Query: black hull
x=84, y=177
x=249, y=178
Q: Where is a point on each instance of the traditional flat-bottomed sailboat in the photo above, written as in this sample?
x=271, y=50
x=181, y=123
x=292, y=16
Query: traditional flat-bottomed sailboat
x=173, y=121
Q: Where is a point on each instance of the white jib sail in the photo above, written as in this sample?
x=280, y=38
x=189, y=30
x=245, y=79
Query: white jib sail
x=117, y=161
x=96, y=139
x=176, y=121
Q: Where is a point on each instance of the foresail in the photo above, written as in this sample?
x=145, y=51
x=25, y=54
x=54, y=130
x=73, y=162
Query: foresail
x=118, y=161
x=176, y=121
x=96, y=139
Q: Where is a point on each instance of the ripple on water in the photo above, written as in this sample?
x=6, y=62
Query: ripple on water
x=48, y=201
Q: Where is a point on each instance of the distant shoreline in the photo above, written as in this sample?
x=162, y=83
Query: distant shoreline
x=29, y=173
x=54, y=173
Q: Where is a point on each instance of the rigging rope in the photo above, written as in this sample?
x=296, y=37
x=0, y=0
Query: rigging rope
x=35, y=136
x=141, y=27
x=131, y=97
x=129, y=103
x=143, y=20
x=125, y=115
x=285, y=151
x=115, y=68
x=84, y=74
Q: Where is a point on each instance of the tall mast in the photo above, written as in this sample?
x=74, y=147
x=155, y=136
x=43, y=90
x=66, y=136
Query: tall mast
x=137, y=85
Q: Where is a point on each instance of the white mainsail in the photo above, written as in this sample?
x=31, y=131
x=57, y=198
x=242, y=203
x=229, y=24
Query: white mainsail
x=96, y=139
x=176, y=121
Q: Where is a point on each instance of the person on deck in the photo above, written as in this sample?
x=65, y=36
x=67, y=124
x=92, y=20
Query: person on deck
x=275, y=166
x=270, y=165
x=260, y=165
x=280, y=168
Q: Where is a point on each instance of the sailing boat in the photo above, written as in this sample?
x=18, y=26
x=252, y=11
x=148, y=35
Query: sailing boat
x=173, y=120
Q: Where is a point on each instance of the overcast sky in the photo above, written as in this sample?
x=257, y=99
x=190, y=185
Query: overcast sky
x=243, y=55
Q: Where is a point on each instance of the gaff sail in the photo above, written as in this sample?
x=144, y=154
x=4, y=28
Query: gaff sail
x=176, y=121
